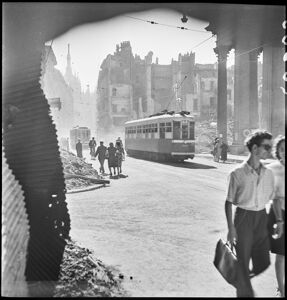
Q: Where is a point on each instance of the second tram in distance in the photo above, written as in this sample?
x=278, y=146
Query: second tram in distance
x=167, y=136
x=80, y=133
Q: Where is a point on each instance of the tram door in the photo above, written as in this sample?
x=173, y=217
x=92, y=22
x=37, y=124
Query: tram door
x=184, y=129
x=176, y=130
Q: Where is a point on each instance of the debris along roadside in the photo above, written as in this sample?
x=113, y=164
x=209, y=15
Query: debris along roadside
x=83, y=276
x=79, y=174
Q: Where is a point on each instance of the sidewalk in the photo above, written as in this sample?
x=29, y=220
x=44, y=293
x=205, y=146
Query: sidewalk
x=85, y=189
x=232, y=157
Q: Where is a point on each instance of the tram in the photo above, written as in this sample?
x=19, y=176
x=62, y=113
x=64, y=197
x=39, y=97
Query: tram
x=166, y=136
x=80, y=133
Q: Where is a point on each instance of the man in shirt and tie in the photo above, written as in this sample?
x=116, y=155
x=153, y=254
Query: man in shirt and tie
x=250, y=188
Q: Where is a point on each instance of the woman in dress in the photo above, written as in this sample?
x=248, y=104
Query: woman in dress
x=112, y=159
x=277, y=213
x=120, y=154
x=224, y=149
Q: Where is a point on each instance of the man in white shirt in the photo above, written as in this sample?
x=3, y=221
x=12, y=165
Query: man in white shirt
x=250, y=188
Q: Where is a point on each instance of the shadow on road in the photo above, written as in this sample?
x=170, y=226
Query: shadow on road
x=185, y=164
x=188, y=164
x=118, y=176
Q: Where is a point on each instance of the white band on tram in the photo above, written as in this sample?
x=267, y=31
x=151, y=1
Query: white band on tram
x=183, y=141
x=182, y=153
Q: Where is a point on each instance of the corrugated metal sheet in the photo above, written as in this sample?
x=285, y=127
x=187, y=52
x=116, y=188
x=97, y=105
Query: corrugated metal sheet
x=32, y=153
x=15, y=235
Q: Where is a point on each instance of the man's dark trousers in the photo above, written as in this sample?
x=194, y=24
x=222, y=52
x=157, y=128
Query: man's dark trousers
x=252, y=243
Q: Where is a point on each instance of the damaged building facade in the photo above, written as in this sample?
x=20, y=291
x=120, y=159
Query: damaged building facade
x=131, y=88
x=70, y=106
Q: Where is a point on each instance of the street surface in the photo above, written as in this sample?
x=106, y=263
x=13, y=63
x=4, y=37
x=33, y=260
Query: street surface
x=159, y=228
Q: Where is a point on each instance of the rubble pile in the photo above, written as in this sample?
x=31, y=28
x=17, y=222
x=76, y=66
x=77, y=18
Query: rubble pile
x=83, y=276
x=74, y=165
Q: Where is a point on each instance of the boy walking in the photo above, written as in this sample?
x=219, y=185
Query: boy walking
x=250, y=188
x=101, y=153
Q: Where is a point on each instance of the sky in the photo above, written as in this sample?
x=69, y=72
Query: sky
x=91, y=43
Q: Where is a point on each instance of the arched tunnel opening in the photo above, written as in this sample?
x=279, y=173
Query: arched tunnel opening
x=31, y=133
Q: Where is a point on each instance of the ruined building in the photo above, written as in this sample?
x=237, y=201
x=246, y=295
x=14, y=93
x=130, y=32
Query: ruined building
x=130, y=87
x=69, y=105
x=84, y=101
x=58, y=93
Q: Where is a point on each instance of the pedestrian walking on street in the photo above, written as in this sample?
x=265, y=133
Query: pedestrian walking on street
x=224, y=149
x=92, y=146
x=120, y=154
x=277, y=213
x=79, y=149
x=120, y=141
x=250, y=188
x=112, y=159
x=101, y=153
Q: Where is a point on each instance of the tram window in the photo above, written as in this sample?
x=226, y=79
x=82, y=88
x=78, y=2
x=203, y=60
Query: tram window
x=191, y=130
x=155, y=129
x=176, y=130
x=146, y=130
x=152, y=130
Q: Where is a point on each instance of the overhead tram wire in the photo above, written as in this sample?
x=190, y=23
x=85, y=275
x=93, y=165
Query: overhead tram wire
x=185, y=75
x=156, y=23
x=152, y=22
x=202, y=42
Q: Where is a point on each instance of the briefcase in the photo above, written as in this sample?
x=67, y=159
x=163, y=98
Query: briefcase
x=225, y=261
